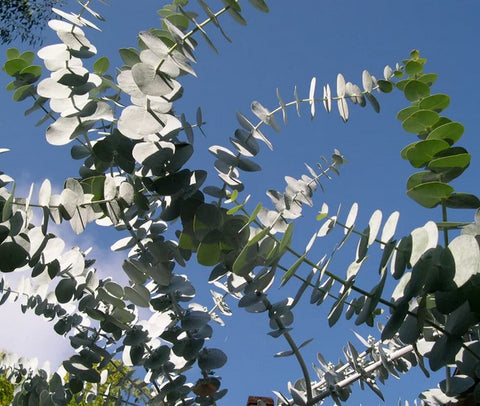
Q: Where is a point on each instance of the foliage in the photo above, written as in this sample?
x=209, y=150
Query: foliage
x=134, y=148
x=23, y=19
x=116, y=386
x=6, y=391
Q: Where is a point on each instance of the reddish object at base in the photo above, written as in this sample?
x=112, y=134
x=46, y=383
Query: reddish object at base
x=252, y=400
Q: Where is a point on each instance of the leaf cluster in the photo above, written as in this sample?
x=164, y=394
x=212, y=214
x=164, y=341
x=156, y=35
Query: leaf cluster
x=23, y=20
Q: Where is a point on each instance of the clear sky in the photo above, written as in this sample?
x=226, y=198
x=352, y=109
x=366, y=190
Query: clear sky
x=286, y=47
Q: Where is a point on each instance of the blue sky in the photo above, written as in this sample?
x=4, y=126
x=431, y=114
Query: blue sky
x=281, y=49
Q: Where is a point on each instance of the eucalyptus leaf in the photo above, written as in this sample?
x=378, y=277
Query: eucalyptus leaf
x=138, y=295
x=450, y=132
x=209, y=249
x=374, y=226
x=129, y=56
x=149, y=82
x=466, y=253
x=420, y=121
x=390, y=226
x=352, y=215
x=65, y=290
x=63, y=131
x=81, y=372
x=137, y=123
x=463, y=201
x=423, y=238
x=416, y=90
x=13, y=256
x=436, y=102
x=430, y=194
x=327, y=98
x=264, y=115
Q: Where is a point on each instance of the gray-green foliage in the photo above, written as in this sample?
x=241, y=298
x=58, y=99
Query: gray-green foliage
x=134, y=149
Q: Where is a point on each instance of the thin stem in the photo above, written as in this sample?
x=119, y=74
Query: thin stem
x=295, y=349
x=445, y=219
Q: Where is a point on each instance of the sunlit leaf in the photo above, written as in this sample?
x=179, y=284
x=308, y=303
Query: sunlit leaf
x=342, y=101
x=264, y=115
x=420, y=121
x=390, y=226
x=450, y=132
x=374, y=226
x=406, y=112
x=327, y=98
x=423, y=238
x=436, y=102
x=415, y=90
x=430, y=194
x=311, y=96
x=291, y=271
x=138, y=295
x=149, y=82
x=466, y=254
x=413, y=67
x=367, y=81
x=456, y=157
x=422, y=152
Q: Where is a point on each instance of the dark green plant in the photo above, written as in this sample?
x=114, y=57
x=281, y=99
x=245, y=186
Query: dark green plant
x=24, y=19
x=133, y=150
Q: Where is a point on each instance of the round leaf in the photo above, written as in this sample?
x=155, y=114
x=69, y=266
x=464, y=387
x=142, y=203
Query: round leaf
x=420, y=121
x=101, y=65
x=466, y=254
x=138, y=295
x=413, y=67
x=436, y=102
x=149, y=82
x=208, y=251
x=430, y=194
x=406, y=112
x=65, y=290
x=209, y=359
x=420, y=153
x=62, y=131
x=450, y=132
x=416, y=90
x=13, y=256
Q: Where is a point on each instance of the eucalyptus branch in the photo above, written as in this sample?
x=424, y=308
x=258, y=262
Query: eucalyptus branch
x=109, y=397
x=200, y=26
x=357, y=375
x=294, y=348
x=352, y=286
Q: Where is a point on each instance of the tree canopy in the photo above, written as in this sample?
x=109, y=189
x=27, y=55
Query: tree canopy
x=24, y=19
